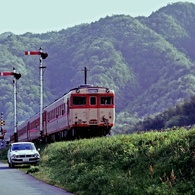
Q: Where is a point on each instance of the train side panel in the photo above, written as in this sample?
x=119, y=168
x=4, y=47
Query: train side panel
x=56, y=117
x=83, y=112
x=33, y=127
x=22, y=132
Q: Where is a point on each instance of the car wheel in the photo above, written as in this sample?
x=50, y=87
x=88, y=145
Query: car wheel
x=11, y=164
x=8, y=163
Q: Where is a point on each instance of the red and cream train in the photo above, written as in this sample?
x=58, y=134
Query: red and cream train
x=83, y=112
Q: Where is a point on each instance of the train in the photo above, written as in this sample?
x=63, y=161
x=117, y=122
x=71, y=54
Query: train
x=86, y=111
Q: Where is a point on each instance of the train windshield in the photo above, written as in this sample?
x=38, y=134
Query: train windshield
x=106, y=100
x=79, y=100
x=93, y=100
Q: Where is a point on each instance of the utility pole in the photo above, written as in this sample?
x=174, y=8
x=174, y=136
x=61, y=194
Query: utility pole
x=85, y=70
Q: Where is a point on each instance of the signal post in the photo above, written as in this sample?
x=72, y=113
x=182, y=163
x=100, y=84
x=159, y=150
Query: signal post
x=41, y=67
x=2, y=122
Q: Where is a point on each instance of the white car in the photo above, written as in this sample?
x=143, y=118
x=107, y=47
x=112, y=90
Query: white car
x=22, y=153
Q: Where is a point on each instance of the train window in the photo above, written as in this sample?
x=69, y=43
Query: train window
x=93, y=100
x=48, y=116
x=63, y=109
x=106, y=100
x=79, y=100
x=56, y=112
x=59, y=110
x=52, y=114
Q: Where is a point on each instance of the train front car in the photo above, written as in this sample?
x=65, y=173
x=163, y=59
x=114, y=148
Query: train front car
x=91, y=111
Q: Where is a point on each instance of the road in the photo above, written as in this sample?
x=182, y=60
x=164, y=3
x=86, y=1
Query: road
x=16, y=182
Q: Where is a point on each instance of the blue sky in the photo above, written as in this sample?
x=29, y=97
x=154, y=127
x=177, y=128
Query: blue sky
x=39, y=16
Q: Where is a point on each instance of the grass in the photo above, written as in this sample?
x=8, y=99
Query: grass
x=147, y=163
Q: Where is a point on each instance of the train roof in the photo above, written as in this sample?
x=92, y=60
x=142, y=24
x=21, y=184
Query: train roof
x=76, y=88
x=87, y=86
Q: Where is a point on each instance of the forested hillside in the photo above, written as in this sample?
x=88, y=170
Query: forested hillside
x=148, y=61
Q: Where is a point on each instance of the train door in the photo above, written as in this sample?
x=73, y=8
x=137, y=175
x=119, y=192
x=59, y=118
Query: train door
x=93, y=111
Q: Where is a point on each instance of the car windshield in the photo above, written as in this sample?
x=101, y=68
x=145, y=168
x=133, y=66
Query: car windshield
x=22, y=147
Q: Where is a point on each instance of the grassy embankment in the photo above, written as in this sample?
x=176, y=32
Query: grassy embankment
x=148, y=163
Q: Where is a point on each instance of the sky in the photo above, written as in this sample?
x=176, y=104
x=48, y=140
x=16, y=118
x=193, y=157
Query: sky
x=41, y=16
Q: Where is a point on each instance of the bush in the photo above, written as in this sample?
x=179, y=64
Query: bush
x=147, y=163
x=3, y=154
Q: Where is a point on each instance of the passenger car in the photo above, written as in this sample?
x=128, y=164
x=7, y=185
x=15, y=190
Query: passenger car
x=22, y=153
x=84, y=112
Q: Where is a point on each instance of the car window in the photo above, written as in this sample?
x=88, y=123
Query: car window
x=23, y=147
x=15, y=148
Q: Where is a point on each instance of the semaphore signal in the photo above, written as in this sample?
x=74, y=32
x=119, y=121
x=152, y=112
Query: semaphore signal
x=32, y=53
x=43, y=55
x=41, y=67
x=16, y=75
x=2, y=122
x=6, y=73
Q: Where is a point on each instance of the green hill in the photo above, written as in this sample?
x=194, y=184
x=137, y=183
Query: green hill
x=144, y=163
x=149, y=163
